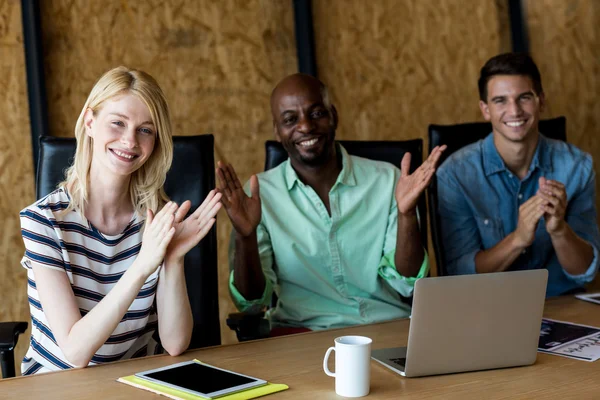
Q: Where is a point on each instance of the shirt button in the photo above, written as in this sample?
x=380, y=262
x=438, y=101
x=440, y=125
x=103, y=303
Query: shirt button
x=520, y=196
x=486, y=221
x=510, y=175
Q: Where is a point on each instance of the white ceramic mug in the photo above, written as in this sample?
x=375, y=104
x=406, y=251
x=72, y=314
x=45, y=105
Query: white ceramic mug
x=352, y=365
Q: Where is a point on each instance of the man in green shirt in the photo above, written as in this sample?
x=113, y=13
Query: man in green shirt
x=335, y=236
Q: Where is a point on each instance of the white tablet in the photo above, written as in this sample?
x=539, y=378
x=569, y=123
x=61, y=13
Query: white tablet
x=200, y=379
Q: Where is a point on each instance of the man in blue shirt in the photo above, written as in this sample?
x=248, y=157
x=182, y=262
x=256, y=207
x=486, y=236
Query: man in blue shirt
x=517, y=200
x=333, y=235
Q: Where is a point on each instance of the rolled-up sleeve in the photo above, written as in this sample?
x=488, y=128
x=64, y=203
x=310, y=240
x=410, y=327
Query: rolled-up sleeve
x=387, y=266
x=460, y=237
x=581, y=217
x=402, y=284
x=265, y=252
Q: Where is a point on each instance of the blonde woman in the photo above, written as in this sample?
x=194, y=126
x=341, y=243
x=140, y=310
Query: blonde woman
x=104, y=252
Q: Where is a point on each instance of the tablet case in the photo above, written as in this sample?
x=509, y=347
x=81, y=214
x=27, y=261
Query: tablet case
x=252, y=393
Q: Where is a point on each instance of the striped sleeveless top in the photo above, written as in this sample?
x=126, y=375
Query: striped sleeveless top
x=93, y=263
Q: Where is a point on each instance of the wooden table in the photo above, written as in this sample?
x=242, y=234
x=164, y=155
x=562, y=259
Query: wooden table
x=296, y=360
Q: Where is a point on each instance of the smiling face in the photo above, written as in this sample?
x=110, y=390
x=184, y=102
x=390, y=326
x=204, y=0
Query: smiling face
x=123, y=135
x=303, y=121
x=513, y=107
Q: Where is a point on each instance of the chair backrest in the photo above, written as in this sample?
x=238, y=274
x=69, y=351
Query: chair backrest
x=388, y=151
x=456, y=137
x=191, y=177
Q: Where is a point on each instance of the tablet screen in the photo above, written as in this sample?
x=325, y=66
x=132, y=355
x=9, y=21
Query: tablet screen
x=200, y=378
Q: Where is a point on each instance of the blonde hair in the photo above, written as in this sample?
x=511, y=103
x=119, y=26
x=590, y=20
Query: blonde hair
x=146, y=183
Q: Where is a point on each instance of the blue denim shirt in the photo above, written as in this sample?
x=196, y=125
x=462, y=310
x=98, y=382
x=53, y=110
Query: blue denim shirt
x=479, y=201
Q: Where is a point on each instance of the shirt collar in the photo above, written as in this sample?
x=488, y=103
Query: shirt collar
x=346, y=176
x=493, y=163
x=542, y=158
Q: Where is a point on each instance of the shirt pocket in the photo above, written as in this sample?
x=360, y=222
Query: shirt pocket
x=305, y=262
x=491, y=231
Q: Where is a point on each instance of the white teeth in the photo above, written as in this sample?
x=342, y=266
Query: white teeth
x=310, y=142
x=121, y=154
x=515, y=123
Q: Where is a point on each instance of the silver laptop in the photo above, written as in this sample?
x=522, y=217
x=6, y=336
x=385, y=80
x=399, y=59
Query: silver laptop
x=471, y=322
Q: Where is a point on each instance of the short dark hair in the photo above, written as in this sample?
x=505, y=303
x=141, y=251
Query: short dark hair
x=509, y=64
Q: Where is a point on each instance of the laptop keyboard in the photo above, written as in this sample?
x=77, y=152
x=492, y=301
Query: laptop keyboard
x=399, y=361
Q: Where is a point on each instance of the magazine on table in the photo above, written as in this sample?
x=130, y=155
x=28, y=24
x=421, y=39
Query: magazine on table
x=580, y=342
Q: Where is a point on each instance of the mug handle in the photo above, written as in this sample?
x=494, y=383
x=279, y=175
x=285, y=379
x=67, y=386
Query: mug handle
x=327, y=371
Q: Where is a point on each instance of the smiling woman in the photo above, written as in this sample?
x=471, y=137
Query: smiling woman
x=104, y=252
x=120, y=100
x=128, y=136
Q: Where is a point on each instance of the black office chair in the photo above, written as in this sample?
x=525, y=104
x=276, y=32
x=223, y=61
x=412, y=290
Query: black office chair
x=249, y=326
x=191, y=177
x=456, y=137
x=9, y=335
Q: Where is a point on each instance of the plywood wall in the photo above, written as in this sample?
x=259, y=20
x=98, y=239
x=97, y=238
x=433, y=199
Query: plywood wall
x=565, y=41
x=396, y=66
x=16, y=166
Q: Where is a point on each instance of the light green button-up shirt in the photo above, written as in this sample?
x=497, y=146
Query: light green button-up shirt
x=330, y=271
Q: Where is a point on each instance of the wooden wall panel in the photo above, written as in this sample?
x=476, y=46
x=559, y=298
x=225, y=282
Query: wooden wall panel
x=564, y=41
x=16, y=167
x=217, y=62
x=394, y=67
